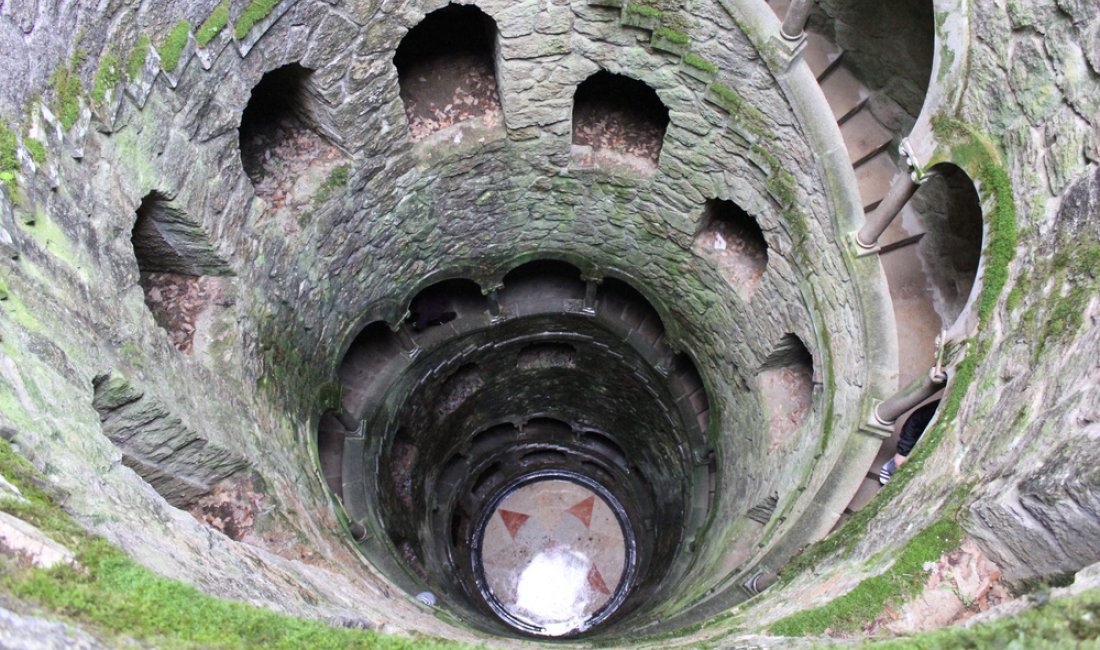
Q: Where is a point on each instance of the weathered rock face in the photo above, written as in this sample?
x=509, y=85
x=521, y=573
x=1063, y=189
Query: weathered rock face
x=144, y=173
x=1043, y=490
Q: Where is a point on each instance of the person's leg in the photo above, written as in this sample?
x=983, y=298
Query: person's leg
x=911, y=432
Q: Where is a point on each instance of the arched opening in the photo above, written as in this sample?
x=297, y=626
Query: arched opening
x=732, y=239
x=542, y=286
x=191, y=471
x=951, y=215
x=930, y=254
x=178, y=270
x=617, y=121
x=374, y=349
x=626, y=311
x=690, y=393
x=785, y=382
x=446, y=70
x=279, y=140
x=444, y=302
x=465, y=381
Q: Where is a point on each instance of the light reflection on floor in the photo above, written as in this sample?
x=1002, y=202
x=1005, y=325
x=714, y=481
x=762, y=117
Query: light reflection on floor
x=553, y=555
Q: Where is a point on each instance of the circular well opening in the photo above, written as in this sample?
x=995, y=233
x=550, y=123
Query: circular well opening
x=554, y=554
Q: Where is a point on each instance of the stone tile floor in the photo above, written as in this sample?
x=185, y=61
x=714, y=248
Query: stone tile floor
x=553, y=554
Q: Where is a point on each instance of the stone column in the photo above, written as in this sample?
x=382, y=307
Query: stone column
x=795, y=23
x=901, y=190
x=408, y=344
x=496, y=313
x=591, y=286
x=889, y=410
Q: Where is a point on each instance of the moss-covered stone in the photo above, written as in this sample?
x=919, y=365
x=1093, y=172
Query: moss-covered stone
x=256, y=11
x=172, y=46
x=135, y=62
x=213, y=25
x=861, y=605
x=67, y=89
x=9, y=155
x=120, y=598
x=107, y=77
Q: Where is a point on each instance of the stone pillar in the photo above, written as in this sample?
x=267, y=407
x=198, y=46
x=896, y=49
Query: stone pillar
x=901, y=190
x=889, y=410
x=591, y=286
x=794, y=24
x=408, y=344
x=496, y=312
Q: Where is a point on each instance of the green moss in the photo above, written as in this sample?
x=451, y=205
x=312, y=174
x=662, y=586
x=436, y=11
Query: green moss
x=36, y=148
x=172, y=46
x=1068, y=623
x=116, y=596
x=213, y=25
x=742, y=111
x=1076, y=265
x=672, y=36
x=9, y=159
x=1067, y=314
x=1079, y=261
x=1015, y=297
x=728, y=94
x=644, y=11
x=256, y=11
x=107, y=76
x=976, y=153
x=337, y=178
x=135, y=63
x=699, y=63
x=67, y=89
x=862, y=604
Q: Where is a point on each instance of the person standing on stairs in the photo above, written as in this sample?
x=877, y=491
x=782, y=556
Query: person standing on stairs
x=911, y=432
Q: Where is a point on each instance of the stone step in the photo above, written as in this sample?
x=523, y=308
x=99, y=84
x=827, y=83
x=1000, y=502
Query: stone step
x=915, y=316
x=874, y=177
x=821, y=54
x=844, y=92
x=864, y=136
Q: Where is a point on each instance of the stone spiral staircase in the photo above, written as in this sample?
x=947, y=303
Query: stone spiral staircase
x=867, y=139
x=871, y=151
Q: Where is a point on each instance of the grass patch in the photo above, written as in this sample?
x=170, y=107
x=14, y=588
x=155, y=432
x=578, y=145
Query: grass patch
x=672, y=36
x=699, y=63
x=116, y=596
x=213, y=25
x=67, y=89
x=36, y=148
x=1065, y=623
x=645, y=11
x=901, y=581
x=107, y=76
x=135, y=63
x=9, y=158
x=256, y=11
x=171, y=48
